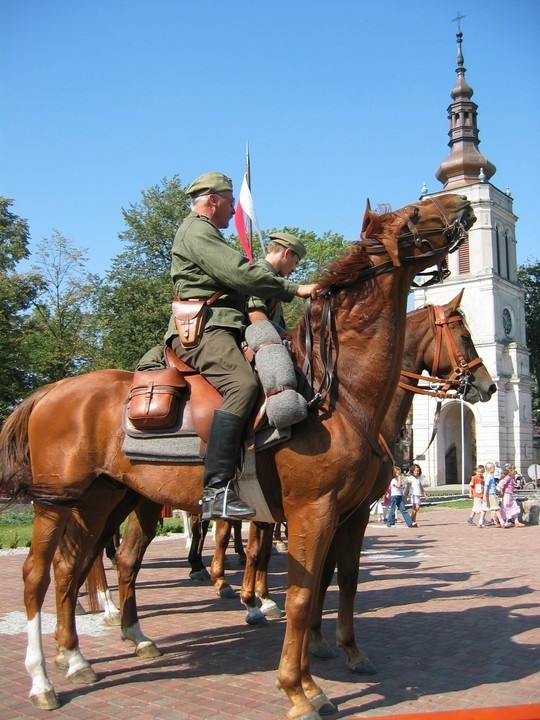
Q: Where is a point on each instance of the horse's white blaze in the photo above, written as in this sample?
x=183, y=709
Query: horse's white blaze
x=35, y=661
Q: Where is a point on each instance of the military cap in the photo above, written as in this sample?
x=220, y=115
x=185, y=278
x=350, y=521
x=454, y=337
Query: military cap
x=210, y=182
x=289, y=241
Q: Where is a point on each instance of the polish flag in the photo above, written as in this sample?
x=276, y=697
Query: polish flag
x=245, y=205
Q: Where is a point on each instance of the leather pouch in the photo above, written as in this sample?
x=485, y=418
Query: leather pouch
x=190, y=318
x=154, y=398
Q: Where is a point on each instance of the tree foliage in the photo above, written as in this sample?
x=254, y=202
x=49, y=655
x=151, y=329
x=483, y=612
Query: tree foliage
x=16, y=293
x=57, y=334
x=529, y=277
x=132, y=307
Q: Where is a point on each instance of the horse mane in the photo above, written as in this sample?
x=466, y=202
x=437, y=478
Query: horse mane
x=346, y=270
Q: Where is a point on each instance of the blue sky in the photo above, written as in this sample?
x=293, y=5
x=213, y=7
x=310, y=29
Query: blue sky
x=339, y=101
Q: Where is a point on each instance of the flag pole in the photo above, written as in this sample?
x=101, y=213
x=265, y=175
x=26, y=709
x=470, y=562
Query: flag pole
x=249, y=227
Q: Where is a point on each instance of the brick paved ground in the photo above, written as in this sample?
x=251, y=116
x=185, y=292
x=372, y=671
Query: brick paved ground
x=448, y=613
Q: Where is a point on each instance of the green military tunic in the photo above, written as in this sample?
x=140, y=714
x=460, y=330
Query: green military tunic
x=271, y=307
x=202, y=264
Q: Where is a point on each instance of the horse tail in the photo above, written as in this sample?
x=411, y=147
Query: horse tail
x=95, y=581
x=15, y=467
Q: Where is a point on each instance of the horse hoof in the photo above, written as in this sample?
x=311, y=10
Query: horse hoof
x=112, y=619
x=199, y=575
x=322, y=650
x=148, y=650
x=323, y=705
x=227, y=592
x=255, y=617
x=363, y=667
x=45, y=701
x=271, y=610
x=84, y=676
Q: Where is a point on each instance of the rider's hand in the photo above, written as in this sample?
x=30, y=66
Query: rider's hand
x=305, y=291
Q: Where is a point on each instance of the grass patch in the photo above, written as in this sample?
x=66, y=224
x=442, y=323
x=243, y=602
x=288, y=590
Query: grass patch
x=16, y=528
x=461, y=504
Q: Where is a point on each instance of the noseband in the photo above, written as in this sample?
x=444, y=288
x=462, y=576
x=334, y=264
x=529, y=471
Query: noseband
x=458, y=383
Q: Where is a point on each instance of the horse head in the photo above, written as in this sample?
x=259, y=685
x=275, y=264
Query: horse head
x=422, y=233
x=454, y=354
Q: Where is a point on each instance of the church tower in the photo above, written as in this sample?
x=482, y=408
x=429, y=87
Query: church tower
x=493, y=304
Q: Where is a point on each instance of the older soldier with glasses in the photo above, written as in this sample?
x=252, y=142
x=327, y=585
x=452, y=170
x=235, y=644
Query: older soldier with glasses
x=203, y=263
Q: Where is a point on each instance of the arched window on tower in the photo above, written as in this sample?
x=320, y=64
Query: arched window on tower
x=497, y=253
x=507, y=253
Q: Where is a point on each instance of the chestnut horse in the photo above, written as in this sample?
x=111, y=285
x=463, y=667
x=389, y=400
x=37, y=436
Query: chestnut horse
x=63, y=438
x=437, y=341
x=452, y=355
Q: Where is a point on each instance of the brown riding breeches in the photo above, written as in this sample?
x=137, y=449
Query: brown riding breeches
x=219, y=359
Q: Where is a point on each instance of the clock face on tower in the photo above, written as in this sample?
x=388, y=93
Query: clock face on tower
x=507, y=322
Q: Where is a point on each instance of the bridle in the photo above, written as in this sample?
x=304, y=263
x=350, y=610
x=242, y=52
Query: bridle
x=455, y=232
x=458, y=383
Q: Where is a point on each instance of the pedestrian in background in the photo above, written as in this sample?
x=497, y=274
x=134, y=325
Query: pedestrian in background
x=417, y=491
x=397, y=489
x=476, y=492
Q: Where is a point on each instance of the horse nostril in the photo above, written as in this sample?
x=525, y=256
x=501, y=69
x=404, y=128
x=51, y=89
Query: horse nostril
x=492, y=389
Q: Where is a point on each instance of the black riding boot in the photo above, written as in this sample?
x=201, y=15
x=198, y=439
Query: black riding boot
x=219, y=498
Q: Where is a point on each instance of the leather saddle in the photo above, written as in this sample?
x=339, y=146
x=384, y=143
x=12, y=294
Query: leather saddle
x=197, y=402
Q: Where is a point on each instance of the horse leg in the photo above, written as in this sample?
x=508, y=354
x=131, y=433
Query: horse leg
x=49, y=524
x=281, y=545
x=268, y=607
x=217, y=568
x=348, y=541
x=199, y=528
x=254, y=615
x=309, y=542
x=238, y=542
x=98, y=586
x=318, y=646
x=139, y=533
x=73, y=559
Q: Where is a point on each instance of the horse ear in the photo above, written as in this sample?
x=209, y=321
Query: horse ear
x=453, y=305
x=368, y=216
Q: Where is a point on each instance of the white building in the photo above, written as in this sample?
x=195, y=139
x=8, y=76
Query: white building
x=493, y=304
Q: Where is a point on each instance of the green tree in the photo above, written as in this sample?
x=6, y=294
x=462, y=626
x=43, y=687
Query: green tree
x=57, y=337
x=133, y=304
x=529, y=277
x=16, y=293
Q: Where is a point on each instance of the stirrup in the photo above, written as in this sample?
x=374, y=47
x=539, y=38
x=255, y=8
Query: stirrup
x=224, y=504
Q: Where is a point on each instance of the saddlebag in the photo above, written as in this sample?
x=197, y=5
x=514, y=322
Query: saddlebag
x=154, y=398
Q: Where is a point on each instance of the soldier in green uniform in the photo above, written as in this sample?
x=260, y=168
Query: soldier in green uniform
x=202, y=264
x=283, y=254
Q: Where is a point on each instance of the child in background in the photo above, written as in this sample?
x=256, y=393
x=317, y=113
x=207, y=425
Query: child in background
x=476, y=492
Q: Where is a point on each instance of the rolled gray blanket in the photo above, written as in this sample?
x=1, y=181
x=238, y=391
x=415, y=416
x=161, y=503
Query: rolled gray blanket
x=275, y=368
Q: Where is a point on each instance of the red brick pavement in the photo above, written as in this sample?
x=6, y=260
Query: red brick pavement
x=447, y=612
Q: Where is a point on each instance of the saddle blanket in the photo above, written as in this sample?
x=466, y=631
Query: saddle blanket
x=187, y=448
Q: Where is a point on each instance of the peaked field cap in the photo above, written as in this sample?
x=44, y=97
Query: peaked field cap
x=210, y=182
x=290, y=241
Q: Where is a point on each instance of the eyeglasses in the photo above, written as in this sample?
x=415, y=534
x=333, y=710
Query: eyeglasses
x=229, y=200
